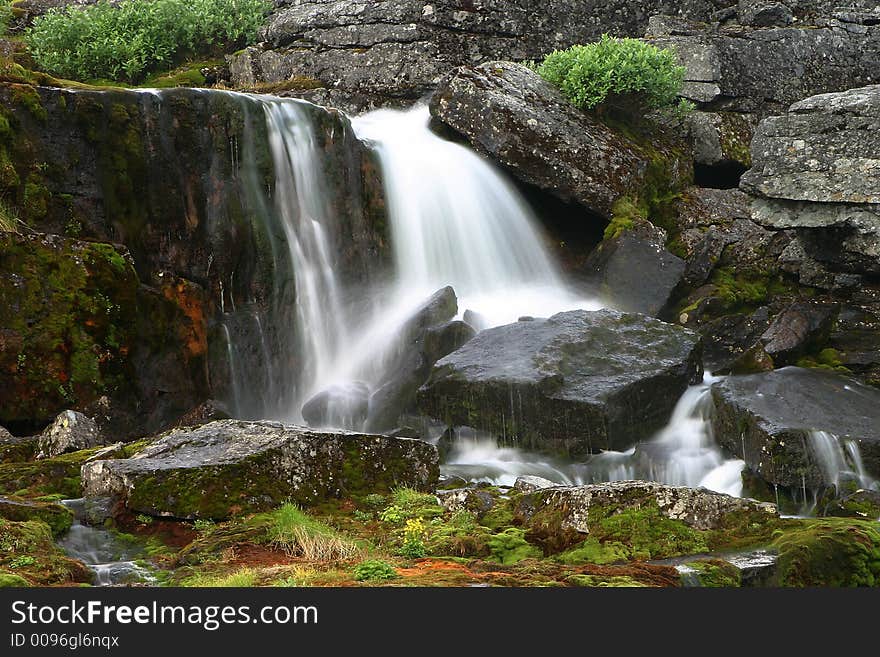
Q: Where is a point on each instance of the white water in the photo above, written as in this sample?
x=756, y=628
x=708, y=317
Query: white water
x=455, y=220
x=839, y=460
x=683, y=453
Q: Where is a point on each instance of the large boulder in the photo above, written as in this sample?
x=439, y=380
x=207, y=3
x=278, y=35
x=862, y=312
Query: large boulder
x=230, y=466
x=514, y=116
x=70, y=432
x=815, y=171
x=767, y=419
x=580, y=508
x=354, y=54
x=576, y=383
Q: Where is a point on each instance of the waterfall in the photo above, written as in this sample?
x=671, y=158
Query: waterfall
x=683, y=453
x=455, y=220
x=838, y=460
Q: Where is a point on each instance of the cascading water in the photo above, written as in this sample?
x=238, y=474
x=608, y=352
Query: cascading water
x=683, y=453
x=839, y=460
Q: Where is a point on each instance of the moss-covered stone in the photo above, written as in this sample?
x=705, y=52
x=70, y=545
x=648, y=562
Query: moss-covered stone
x=59, y=475
x=716, y=573
x=27, y=549
x=58, y=517
x=829, y=552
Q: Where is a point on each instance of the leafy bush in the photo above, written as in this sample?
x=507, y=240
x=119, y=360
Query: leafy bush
x=627, y=74
x=127, y=40
x=374, y=569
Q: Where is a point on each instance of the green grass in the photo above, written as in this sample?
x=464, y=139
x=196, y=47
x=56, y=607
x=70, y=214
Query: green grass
x=293, y=530
x=246, y=577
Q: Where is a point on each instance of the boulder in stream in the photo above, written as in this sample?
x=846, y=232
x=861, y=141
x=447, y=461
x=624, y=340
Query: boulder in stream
x=230, y=466
x=576, y=383
x=767, y=420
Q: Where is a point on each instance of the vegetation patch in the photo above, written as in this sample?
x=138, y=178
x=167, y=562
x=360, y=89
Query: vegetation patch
x=28, y=551
x=298, y=534
x=374, y=570
x=628, y=75
x=124, y=41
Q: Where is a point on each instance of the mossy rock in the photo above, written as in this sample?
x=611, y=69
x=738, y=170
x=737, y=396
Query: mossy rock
x=58, y=475
x=716, y=573
x=28, y=549
x=58, y=517
x=9, y=580
x=829, y=553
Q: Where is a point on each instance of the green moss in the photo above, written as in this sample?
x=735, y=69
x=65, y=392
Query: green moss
x=29, y=548
x=187, y=75
x=736, y=138
x=60, y=475
x=26, y=96
x=716, y=573
x=58, y=517
x=646, y=532
x=826, y=359
x=592, y=551
x=8, y=580
x=459, y=536
x=510, y=546
x=604, y=581
x=624, y=215
x=829, y=552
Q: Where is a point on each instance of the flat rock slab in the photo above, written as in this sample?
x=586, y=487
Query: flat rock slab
x=231, y=466
x=576, y=383
x=766, y=418
x=578, y=507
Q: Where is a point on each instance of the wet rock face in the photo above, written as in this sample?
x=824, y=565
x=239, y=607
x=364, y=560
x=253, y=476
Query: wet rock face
x=575, y=383
x=634, y=271
x=394, y=51
x=815, y=171
x=511, y=114
x=765, y=420
x=230, y=467
x=576, y=507
x=81, y=327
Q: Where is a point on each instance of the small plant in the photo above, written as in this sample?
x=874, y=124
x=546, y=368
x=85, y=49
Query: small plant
x=297, y=533
x=244, y=578
x=375, y=501
x=628, y=75
x=144, y=519
x=203, y=526
x=8, y=219
x=22, y=562
x=362, y=516
x=373, y=570
x=408, y=503
x=413, y=539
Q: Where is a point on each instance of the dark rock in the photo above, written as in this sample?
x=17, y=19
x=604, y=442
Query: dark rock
x=572, y=505
x=70, y=432
x=722, y=138
x=58, y=517
x=475, y=320
x=521, y=121
x=765, y=419
x=343, y=405
x=815, y=171
x=860, y=504
x=732, y=343
x=575, y=383
x=207, y=411
x=426, y=337
x=634, y=272
x=760, y=13
x=393, y=52
x=798, y=329
x=230, y=467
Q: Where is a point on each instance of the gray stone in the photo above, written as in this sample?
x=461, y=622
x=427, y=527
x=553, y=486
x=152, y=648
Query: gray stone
x=230, y=466
x=722, y=137
x=519, y=120
x=815, y=171
x=760, y=13
x=394, y=51
x=700, y=509
x=575, y=383
x=530, y=483
x=634, y=272
x=70, y=432
x=765, y=419
x=342, y=405
x=473, y=500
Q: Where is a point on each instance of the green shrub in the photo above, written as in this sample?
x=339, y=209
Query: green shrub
x=374, y=569
x=128, y=40
x=626, y=74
